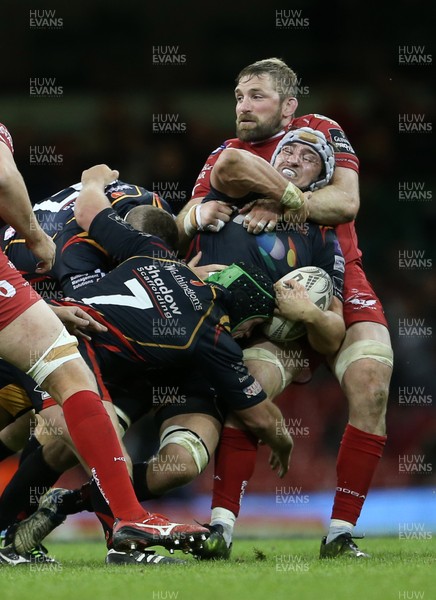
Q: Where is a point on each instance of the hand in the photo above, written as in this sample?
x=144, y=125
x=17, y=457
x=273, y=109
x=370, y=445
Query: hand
x=44, y=248
x=293, y=301
x=101, y=174
x=77, y=321
x=204, y=271
x=280, y=459
x=213, y=215
x=296, y=216
x=261, y=216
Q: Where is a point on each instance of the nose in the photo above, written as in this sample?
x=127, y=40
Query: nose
x=293, y=159
x=244, y=105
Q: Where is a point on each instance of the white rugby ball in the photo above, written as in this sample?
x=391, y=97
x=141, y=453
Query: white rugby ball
x=319, y=286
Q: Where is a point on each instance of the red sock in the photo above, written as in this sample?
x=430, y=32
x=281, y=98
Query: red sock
x=358, y=457
x=235, y=459
x=93, y=435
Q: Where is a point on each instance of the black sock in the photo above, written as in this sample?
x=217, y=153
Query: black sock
x=140, y=482
x=32, y=444
x=5, y=452
x=103, y=513
x=21, y=496
x=78, y=500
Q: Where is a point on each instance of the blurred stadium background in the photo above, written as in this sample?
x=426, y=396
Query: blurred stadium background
x=148, y=89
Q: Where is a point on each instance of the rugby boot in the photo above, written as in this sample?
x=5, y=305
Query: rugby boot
x=215, y=547
x=157, y=530
x=342, y=545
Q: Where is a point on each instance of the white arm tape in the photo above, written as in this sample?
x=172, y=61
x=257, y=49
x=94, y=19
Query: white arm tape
x=198, y=217
x=187, y=222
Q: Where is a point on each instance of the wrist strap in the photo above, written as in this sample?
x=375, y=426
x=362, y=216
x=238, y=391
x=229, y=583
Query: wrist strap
x=291, y=197
x=190, y=223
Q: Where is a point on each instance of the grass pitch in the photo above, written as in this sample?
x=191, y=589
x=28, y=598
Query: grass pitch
x=259, y=570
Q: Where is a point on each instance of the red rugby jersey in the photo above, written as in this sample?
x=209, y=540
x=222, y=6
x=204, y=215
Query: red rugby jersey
x=344, y=156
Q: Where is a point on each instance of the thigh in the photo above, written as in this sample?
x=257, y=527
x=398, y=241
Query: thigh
x=15, y=390
x=205, y=426
x=29, y=335
x=16, y=294
x=361, y=303
x=366, y=330
x=15, y=435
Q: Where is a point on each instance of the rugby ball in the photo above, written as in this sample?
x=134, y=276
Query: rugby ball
x=319, y=286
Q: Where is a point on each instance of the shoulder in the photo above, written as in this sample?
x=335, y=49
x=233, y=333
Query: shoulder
x=6, y=137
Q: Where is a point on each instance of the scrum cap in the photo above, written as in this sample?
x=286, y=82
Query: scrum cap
x=316, y=140
x=252, y=292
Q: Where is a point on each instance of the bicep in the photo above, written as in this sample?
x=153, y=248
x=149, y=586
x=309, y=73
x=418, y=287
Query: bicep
x=7, y=162
x=347, y=181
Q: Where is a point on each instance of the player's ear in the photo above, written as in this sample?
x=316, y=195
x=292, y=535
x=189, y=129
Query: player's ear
x=289, y=107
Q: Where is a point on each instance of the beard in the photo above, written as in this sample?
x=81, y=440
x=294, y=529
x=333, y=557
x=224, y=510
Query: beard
x=261, y=131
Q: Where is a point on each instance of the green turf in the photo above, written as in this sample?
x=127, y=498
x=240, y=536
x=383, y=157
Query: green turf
x=259, y=570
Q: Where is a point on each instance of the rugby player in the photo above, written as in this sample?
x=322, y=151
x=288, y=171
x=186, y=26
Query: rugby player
x=33, y=339
x=265, y=111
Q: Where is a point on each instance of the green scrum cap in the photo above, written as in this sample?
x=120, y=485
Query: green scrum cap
x=252, y=292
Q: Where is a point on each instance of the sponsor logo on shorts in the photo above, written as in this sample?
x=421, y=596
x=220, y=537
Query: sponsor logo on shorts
x=339, y=264
x=253, y=389
x=361, y=301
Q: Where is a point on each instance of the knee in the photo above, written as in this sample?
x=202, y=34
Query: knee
x=59, y=456
x=368, y=379
x=366, y=386
x=182, y=456
x=172, y=467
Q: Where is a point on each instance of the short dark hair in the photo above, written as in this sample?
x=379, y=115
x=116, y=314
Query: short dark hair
x=155, y=221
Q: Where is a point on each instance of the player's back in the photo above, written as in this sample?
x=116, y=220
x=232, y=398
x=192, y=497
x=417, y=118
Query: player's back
x=79, y=260
x=289, y=247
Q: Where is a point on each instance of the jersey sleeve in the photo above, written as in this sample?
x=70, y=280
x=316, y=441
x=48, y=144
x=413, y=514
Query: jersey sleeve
x=6, y=137
x=345, y=155
x=202, y=184
x=121, y=240
x=125, y=196
x=328, y=255
x=215, y=194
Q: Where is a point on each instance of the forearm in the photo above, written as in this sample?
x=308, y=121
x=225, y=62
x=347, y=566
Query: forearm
x=185, y=233
x=266, y=422
x=91, y=199
x=337, y=202
x=238, y=172
x=329, y=206
x=15, y=205
x=325, y=331
x=89, y=203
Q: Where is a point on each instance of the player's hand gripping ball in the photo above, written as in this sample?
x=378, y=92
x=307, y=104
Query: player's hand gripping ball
x=319, y=286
